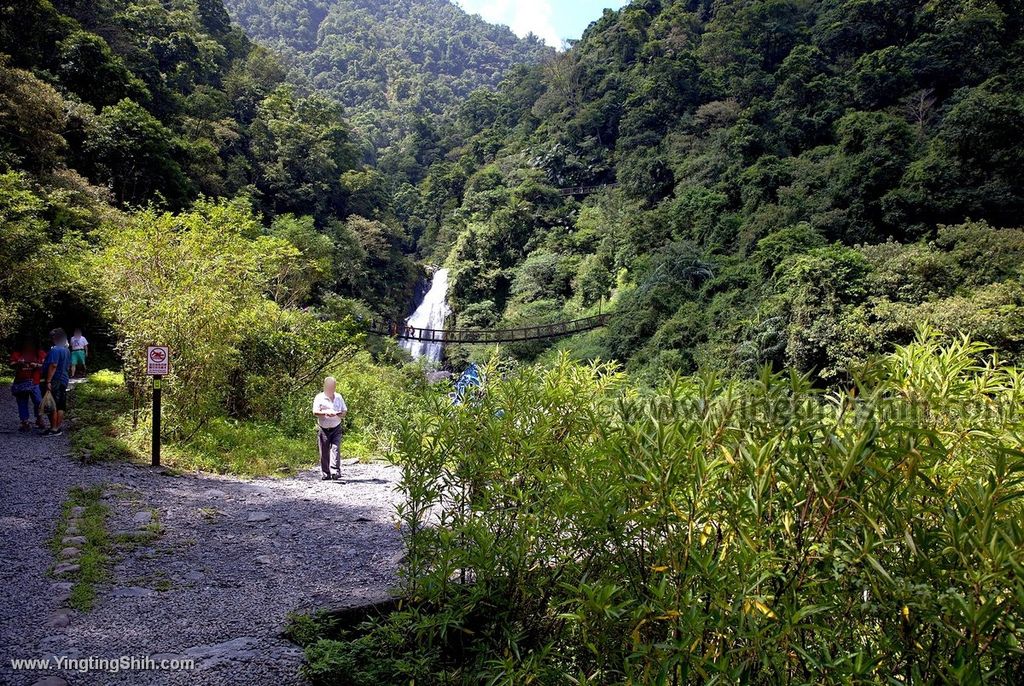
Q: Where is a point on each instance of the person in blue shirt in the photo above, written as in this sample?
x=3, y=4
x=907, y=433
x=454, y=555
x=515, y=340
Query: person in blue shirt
x=56, y=371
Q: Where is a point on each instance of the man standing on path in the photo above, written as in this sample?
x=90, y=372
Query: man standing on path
x=56, y=368
x=329, y=408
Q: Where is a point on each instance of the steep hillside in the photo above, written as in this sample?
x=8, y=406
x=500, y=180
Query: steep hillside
x=784, y=169
x=108, y=106
x=391, y=64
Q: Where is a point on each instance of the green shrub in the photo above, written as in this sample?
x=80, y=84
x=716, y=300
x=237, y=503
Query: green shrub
x=306, y=629
x=383, y=653
x=194, y=281
x=568, y=529
x=379, y=397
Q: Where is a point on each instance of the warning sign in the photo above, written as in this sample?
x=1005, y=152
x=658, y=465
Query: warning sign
x=158, y=360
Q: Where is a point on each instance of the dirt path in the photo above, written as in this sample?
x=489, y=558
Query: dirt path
x=230, y=560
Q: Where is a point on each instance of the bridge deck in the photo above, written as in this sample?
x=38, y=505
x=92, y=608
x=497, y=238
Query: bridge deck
x=586, y=190
x=529, y=333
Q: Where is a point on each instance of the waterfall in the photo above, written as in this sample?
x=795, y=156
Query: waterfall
x=431, y=314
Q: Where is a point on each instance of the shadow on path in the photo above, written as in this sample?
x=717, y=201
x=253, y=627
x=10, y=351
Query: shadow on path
x=230, y=560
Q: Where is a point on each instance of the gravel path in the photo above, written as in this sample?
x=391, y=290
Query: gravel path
x=231, y=559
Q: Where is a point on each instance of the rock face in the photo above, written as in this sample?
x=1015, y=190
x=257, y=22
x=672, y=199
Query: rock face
x=256, y=517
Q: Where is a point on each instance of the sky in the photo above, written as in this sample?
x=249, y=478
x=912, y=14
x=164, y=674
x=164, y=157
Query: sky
x=552, y=20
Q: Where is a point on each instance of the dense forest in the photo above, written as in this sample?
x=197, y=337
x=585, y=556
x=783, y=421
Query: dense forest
x=397, y=67
x=799, y=183
x=794, y=456
x=110, y=106
x=788, y=183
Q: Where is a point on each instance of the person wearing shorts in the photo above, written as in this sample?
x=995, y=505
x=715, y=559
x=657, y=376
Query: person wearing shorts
x=79, y=351
x=56, y=368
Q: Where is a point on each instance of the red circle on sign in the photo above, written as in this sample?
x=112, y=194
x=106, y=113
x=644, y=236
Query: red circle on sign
x=157, y=355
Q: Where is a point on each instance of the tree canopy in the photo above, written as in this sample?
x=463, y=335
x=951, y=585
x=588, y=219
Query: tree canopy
x=395, y=66
x=780, y=143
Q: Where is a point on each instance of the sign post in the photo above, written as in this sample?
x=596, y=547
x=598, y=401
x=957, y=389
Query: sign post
x=158, y=363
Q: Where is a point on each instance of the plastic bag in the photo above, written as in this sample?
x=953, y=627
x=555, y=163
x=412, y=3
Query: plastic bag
x=49, y=404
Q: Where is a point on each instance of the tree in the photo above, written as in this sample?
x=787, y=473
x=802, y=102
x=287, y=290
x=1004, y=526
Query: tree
x=816, y=291
x=90, y=69
x=969, y=169
x=135, y=153
x=32, y=120
x=303, y=273
x=26, y=277
x=874, y=151
x=194, y=281
x=303, y=147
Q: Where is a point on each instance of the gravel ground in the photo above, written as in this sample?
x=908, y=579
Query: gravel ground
x=230, y=560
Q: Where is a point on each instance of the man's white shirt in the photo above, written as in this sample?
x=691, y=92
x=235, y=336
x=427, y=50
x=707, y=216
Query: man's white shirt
x=78, y=342
x=324, y=404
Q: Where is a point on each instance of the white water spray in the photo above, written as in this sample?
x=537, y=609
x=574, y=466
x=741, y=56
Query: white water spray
x=431, y=314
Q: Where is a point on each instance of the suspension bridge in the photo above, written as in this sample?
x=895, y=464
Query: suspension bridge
x=527, y=333
x=586, y=190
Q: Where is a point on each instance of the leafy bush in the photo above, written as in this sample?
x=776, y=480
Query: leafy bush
x=566, y=528
x=192, y=282
x=385, y=653
x=281, y=361
x=379, y=397
x=306, y=629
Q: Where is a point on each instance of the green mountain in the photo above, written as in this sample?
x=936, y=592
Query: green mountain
x=394, y=65
x=787, y=182
x=799, y=183
x=108, y=106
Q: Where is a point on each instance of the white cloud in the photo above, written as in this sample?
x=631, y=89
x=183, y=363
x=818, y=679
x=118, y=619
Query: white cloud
x=522, y=16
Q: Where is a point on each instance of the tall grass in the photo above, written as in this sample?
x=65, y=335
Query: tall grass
x=567, y=528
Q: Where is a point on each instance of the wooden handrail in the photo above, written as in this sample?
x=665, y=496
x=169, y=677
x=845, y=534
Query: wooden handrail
x=586, y=190
x=529, y=333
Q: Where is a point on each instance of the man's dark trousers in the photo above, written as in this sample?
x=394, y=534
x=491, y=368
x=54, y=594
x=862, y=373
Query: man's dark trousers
x=330, y=450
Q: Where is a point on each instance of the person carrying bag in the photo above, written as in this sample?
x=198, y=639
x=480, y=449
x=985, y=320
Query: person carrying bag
x=56, y=369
